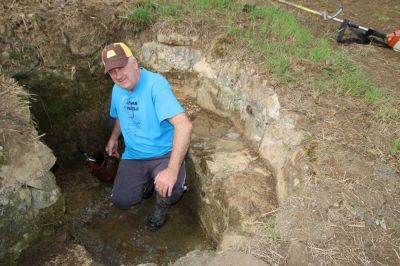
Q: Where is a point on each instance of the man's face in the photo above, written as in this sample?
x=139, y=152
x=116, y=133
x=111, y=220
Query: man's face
x=126, y=77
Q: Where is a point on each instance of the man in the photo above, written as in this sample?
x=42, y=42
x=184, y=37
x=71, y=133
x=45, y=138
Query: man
x=156, y=134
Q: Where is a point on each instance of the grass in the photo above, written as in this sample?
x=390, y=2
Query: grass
x=395, y=146
x=395, y=226
x=202, y=5
x=275, y=36
x=321, y=51
x=271, y=230
x=142, y=16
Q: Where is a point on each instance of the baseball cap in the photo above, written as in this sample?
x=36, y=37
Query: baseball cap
x=115, y=55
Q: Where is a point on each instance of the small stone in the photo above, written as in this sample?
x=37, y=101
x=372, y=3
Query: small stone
x=233, y=135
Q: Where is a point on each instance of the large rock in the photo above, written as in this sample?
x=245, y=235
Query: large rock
x=72, y=255
x=207, y=258
x=166, y=58
x=234, y=187
x=31, y=205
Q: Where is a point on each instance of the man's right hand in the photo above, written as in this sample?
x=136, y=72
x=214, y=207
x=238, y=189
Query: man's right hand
x=112, y=148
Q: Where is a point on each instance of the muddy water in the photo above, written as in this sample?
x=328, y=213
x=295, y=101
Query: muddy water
x=115, y=237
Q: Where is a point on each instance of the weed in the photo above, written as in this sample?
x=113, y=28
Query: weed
x=284, y=25
x=260, y=12
x=210, y=4
x=271, y=230
x=312, y=151
x=278, y=64
x=322, y=50
x=303, y=37
x=386, y=112
x=374, y=94
x=395, y=146
x=170, y=10
x=381, y=16
x=371, y=179
x=395, y=227
x=233, y=31
x=365, y=51
x=354, y=81
x=142, y=16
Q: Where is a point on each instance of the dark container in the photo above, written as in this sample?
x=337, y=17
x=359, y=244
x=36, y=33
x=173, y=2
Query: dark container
x=104, y=167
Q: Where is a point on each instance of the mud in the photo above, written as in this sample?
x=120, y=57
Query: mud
x=113, y=236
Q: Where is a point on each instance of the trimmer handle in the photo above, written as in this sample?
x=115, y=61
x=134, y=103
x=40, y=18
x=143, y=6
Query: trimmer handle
x=379, y=34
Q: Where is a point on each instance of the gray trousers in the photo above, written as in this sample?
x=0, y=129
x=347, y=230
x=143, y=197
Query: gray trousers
x=132, y=176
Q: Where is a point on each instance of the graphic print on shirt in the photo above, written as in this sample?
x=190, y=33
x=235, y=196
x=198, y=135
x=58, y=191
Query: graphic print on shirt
x=131, y=107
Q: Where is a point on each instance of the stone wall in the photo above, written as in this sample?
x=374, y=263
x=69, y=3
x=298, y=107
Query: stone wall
x=31, y=206
x=233, y=188
x=240, y=94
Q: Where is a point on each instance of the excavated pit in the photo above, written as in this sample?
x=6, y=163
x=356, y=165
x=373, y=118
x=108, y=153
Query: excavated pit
x=203, y=219
x=111, y=236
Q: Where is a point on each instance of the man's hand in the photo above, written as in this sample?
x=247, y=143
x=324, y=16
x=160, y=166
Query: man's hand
x=165, y=181
x=112, y=145
x=112, y=148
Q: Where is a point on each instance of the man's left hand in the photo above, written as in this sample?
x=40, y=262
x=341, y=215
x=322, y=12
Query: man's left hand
x=165, y=181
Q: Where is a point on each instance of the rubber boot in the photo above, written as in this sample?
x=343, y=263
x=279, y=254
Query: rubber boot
x=158, y=216
x=148, y=190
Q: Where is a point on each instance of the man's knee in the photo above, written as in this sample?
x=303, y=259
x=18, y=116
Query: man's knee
x=176, y=195
x=124, y=202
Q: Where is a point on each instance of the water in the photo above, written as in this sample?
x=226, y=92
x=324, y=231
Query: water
x=115, y=237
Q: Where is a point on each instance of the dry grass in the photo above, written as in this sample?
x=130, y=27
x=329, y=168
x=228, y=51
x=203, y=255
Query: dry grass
x=266, y=248
x=14, y=112
x=347, y=209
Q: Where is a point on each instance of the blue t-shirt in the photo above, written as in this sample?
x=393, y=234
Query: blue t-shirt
x=143, y=115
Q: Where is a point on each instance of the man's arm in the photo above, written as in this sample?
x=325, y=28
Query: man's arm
x=112, y=145
x=166, y=179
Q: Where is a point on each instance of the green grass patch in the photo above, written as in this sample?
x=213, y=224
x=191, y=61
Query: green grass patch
x=202, y=5
x=170, y=9
x=395, y=146
x=321, y=51
x=142, y=16
x=279, y=64
x=395, y=226
x=278, y=37
x=387, y=112
x=233, y=31
x=271, y=230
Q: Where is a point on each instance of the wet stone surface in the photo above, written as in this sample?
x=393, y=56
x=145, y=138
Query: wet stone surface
x=115, y=237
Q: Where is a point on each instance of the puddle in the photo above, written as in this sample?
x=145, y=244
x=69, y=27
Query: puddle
x=115, y=237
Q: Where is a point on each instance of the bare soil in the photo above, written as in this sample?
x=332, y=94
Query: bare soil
x=346, y=212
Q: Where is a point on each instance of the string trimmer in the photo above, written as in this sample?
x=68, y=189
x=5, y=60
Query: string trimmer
x=365, y=35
